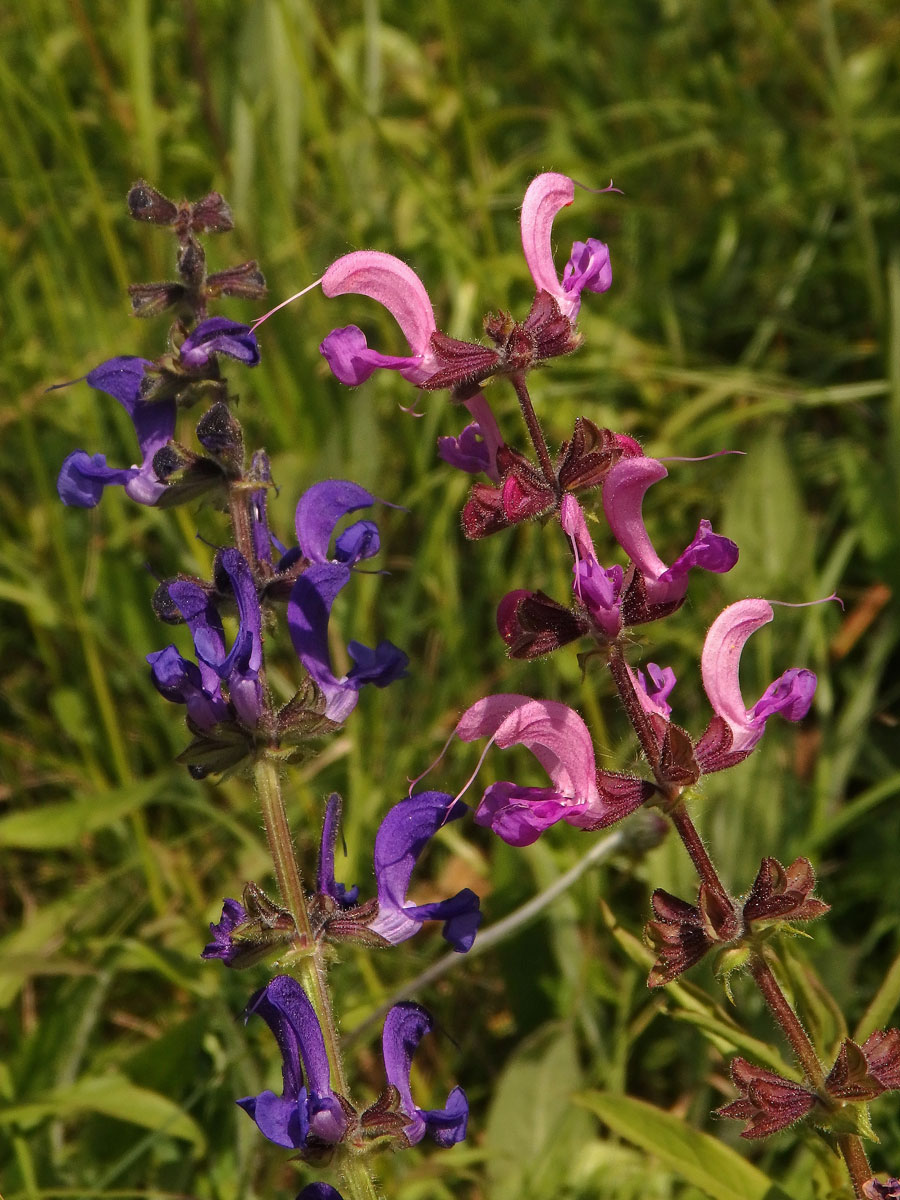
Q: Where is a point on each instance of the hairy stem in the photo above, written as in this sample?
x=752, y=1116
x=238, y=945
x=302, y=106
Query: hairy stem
x=534, y=429
x=693, y=843
x=854, y=1154
x=639, y=719
x=785, y=1016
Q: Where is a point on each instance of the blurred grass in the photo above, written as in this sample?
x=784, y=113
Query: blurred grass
x=756, y=305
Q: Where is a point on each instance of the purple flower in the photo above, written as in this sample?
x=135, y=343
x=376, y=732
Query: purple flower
x=399, y=843
x=218, y=335
x=404, y=1027
x=469, y=452
x=319, y=1191
x=560, y=741
x=83, y=477
x=314, y=592
x=397, y=287
x=307, y=1114
x=790, y=695
x=665, y=587
x=599, y=590
x=222, y=946
x=588, y=268
x=199, y=686
x=400, y=840
x=889, y=1190
x=653, y=689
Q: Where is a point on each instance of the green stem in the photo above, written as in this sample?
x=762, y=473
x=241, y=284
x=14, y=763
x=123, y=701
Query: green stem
x=306, y=966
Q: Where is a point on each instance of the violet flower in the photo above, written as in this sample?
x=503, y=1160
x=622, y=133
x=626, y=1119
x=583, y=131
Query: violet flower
x=560, y=741
x=314, y=592
x=83, y=477
x=404, y=1027
x=199, y=686
x=222, y=945
x=790, y=694
x=665, y=587
x=873, y=1189
x=307, y=1114
x=653, y=689
x=399, y=843
x=219, y=335
x=397, y=287
x=319, y=1191
x=469, y=452
x=598, y=590
x=588, y=268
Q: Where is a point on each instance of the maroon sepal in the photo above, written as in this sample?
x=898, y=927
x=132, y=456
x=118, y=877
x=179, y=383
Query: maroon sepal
x=586, y=458
x=622, y=795
x=551, y=333
x=523, y=493
x=783, y=894
x=768, y=1102
x=864, y=1072
x=209, y=214
x=713, y=750
x=336, y=924
x=532, y=624
x=677, y=764
x=677, y=937
x=545, y=333
x=682, y=933
x=464, y=363
x=637, y=609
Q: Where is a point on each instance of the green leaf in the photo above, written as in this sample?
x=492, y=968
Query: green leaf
x=110, y=1095
x=533, y=1133
x=694, y=1156
x=56, y=826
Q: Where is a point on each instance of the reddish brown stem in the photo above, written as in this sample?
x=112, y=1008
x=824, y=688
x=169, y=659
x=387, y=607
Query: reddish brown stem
x=636, y=715
x=534, y=429
x=785, y=1016
x=693, y=843
x=855, y=1157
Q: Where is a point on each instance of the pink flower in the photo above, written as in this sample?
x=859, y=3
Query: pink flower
x=665, y=587
x=588, y=268
x=790, y=694
x=397, y=287
x=560, y=741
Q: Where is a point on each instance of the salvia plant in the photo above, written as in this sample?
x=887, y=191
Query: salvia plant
x=267, y=584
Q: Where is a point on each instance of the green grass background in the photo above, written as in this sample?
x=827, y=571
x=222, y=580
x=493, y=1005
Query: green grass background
x=755, y=305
